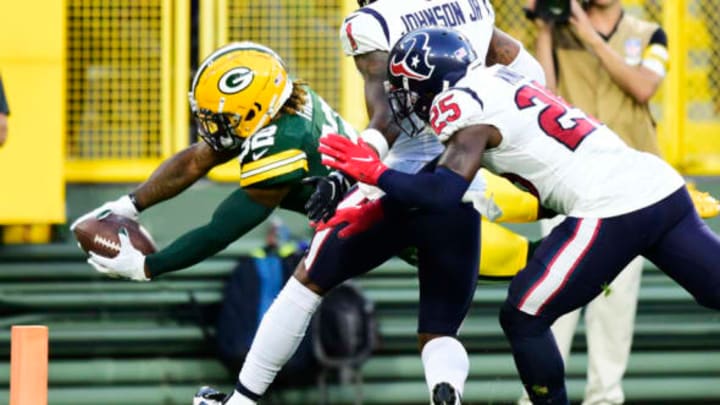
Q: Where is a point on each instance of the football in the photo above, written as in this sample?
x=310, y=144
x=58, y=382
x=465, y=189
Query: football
x=100, y=235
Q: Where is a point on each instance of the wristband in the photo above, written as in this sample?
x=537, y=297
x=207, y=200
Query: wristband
x=134, y=202
x=344, y=180
x=374, y=138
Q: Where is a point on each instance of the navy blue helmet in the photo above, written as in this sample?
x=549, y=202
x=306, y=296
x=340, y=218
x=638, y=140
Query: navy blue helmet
x=422, y=64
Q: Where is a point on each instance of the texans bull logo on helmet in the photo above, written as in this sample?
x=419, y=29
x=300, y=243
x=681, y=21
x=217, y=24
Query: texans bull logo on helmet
x=413, y=64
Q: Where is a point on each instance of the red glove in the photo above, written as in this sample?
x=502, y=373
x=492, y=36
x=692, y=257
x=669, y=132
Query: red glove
x=358, y=161
x=359, y=218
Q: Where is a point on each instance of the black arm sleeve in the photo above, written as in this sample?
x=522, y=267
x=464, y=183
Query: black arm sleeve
x=659, y=37
x=438, y=190
x=233, y=218
x=3, y=100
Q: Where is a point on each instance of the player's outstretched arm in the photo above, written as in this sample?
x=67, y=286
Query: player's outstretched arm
x=234, y=217
x=179, y=172
x=170, y=178
x=436, y=190
x=239, y=213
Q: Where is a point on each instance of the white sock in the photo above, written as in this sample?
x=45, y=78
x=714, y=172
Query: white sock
x=239, y=399
x=445, y=360
x=278, y=336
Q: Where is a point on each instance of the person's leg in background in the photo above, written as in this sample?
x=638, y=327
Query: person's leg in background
x=503, y=252
x=609, y=326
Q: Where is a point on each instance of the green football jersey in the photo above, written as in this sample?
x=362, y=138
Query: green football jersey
x=285, y=151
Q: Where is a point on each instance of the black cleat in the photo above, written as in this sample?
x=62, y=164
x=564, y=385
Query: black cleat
x=444, y=394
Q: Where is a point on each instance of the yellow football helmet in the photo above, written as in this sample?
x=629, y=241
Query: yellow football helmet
x=236, y=91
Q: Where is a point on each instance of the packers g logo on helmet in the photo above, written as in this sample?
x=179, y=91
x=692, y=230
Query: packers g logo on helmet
x=235, y=80
x=236, y=91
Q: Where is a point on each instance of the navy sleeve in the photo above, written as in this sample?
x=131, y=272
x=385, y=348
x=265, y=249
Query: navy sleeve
x=3, y=101
x=438, y=190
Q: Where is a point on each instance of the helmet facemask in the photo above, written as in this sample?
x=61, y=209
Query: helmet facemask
x=406, y=109
x=218, y=130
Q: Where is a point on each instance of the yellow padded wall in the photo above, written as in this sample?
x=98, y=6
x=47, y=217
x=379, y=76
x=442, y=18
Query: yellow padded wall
x=32, y=187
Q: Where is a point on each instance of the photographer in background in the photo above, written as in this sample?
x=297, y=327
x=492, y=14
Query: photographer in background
x=4, y=112
x=608, y=64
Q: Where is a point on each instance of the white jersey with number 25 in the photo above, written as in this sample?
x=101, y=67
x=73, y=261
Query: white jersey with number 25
x=574, y=164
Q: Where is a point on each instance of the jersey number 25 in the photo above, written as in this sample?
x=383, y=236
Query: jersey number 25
x=557, y=119
x=446, y=111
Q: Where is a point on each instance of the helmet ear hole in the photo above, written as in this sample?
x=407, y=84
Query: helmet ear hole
x=250, y=115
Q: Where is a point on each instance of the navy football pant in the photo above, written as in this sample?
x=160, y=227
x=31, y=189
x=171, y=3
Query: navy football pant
x=447, y=244
x=580, y=257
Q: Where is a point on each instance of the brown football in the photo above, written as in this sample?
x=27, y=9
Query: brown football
x=100, y=235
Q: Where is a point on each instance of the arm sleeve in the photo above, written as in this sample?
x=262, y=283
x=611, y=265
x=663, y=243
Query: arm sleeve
x=363, y=32
x=526, y=64
x=655, y=56
x=438, y=190
x=3, y=101
x=233, y=218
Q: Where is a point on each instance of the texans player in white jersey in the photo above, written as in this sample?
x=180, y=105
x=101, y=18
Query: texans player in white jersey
x=619, y=202
x=367, y=35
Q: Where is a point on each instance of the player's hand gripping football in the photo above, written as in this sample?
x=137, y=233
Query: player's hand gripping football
x=358, y=161
x=329, y=190
x=129, y=262
x=123, y=206
x=358, y=218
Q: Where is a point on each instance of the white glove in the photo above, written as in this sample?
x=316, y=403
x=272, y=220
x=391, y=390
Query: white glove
x=129, y=263
x=123, y=206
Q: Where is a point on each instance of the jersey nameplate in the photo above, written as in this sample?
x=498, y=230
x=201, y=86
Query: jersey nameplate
x=447, y=15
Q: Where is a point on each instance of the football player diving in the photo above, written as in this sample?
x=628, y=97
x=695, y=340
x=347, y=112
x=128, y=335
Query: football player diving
x=619, y=202
x=246, y=106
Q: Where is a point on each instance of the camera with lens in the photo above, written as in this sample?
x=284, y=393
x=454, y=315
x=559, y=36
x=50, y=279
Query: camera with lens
x=556, y=11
